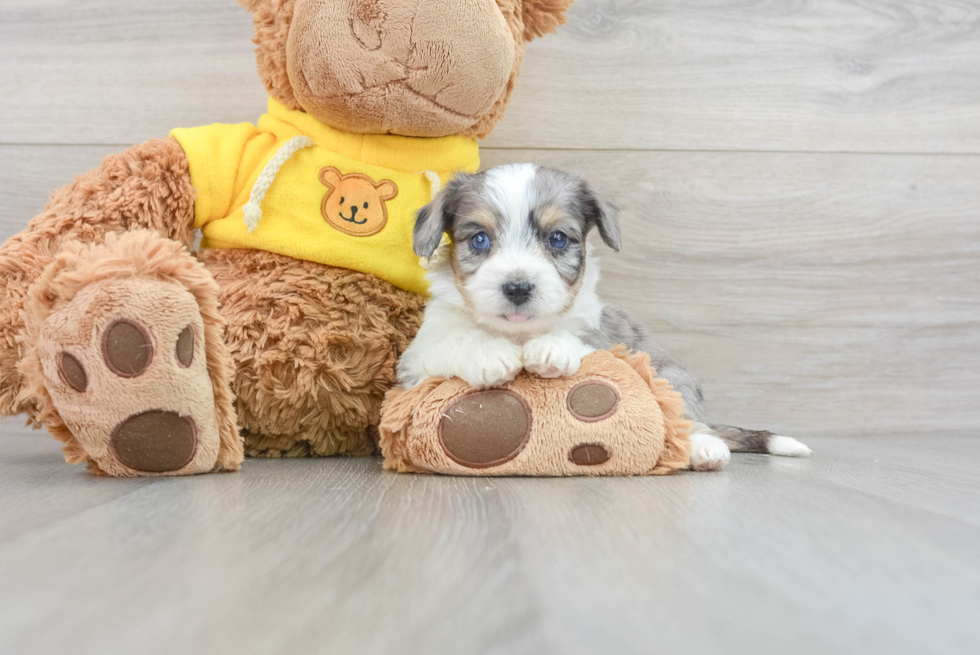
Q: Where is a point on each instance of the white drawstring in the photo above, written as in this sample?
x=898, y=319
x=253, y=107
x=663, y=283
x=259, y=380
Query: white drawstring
x=434, y=180
x=253, y=209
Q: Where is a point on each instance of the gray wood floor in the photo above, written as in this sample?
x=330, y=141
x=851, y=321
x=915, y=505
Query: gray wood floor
x=800, y=184
x=868, y=547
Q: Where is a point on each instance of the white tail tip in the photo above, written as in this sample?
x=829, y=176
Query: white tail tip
x=787, y=447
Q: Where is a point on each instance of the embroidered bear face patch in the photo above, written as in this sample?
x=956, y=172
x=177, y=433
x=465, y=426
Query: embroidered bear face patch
x=354, y=204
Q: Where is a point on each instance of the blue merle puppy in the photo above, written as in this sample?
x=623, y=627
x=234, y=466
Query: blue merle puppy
x=515, y=288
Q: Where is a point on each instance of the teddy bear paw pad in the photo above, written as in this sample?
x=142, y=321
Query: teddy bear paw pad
x=125, y=365
x=589, y=454
x=485, y=428
x=155, y=441
x=592, y=401
x=127, y=349
x=72, y=372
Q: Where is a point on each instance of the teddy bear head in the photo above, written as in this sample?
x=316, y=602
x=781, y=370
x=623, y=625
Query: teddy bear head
x=411, y=67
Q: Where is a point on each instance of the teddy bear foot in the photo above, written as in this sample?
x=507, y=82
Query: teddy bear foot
x=612, y=417
x=126, y=366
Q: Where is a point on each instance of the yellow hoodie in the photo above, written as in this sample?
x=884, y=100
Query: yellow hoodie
x=294, y=186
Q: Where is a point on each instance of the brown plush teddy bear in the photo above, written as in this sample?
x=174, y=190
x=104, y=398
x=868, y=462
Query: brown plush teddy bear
x=284, y=329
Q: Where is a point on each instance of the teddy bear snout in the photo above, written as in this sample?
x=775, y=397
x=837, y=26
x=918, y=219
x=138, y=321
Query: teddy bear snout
x=404, y=67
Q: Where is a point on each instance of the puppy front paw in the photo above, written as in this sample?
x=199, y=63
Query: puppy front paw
x=492, y=364
x=554, y=356
x=708, y=452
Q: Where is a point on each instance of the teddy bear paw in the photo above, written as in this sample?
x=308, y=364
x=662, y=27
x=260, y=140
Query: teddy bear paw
x=490, y=427
x=125, y=365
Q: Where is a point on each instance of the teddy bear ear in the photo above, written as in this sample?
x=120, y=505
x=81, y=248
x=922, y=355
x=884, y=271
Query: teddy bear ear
x=543, y=16
x=330, y=177
x=250, y=4
x=387, y=189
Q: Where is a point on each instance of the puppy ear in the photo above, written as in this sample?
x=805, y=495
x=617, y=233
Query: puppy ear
x=608, y=223
x=543, y=16
x=604, y=216
x=436, y=218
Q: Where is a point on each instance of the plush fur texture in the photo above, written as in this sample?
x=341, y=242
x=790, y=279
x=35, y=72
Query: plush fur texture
x=315, y=349
x=142, y=265
x=454, y=80
x=646, y=434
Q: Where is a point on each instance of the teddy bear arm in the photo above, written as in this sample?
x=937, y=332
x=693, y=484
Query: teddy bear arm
x=124, y=358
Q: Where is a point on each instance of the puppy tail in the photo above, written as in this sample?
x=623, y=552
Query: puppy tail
x=740, y=440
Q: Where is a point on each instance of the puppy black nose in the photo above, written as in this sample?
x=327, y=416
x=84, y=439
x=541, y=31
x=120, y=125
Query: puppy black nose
x=518, y=292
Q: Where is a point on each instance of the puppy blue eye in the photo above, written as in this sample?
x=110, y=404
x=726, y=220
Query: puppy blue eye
x=480, y=241
x=558, y=240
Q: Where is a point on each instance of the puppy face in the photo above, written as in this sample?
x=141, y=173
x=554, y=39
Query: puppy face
x=518, y=241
